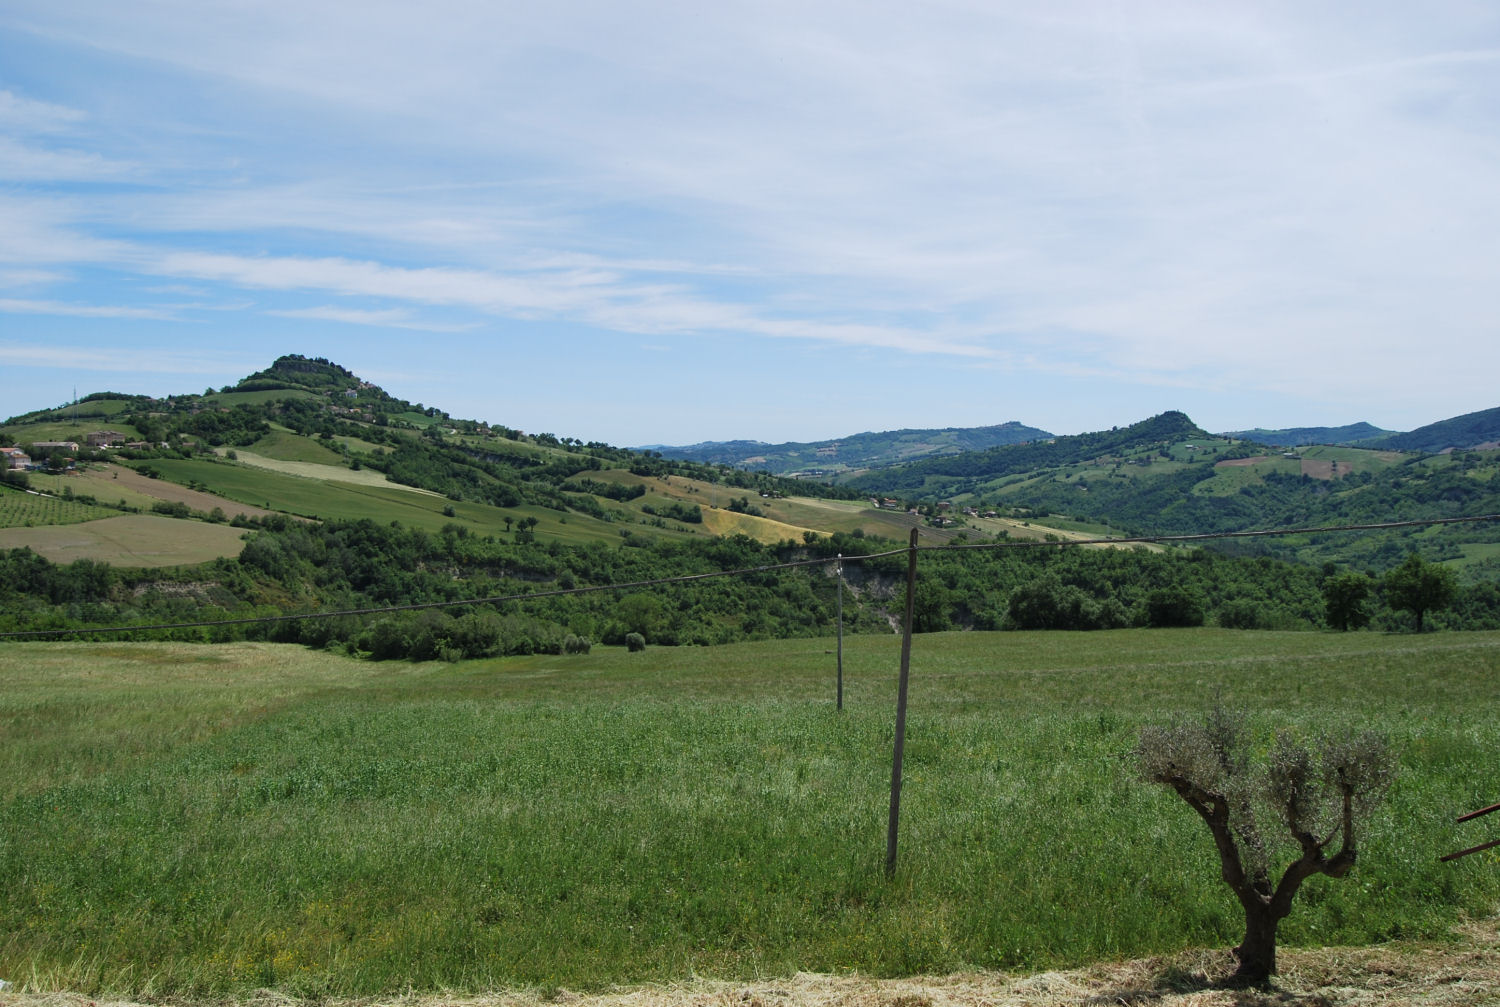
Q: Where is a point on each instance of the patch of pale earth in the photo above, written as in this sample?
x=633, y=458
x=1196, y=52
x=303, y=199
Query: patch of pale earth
x=325, y=473
x=160, y=489
x=1315, y=468
x=1464, y=973
x=1235, y=463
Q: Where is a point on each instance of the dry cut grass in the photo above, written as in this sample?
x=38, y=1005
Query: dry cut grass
x=141, y=540
x=1463, y=973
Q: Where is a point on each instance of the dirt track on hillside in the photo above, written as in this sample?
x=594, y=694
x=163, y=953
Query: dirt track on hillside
x=1464, y=973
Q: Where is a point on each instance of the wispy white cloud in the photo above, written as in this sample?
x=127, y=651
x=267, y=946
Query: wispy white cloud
x=22, y=162
x=129, y=359
x=29, y=277
x=16, y=306
x=27, y=114
x=1236, y=197
x=389, y=318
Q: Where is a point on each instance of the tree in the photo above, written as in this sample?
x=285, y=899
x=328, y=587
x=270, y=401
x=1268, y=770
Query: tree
x=1344, y=597
x=1175, y=605
x=1318, y=798
x=1419, y=587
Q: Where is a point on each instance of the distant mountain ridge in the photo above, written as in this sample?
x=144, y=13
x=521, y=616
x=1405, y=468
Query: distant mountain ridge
x=1470, y=430
x=975, y=466
x=1296, y=437
x=858, y=451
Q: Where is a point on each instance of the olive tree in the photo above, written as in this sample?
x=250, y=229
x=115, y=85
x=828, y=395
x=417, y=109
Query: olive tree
x=1316, y=797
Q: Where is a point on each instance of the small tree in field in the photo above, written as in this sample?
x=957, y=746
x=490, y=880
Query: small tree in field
x=1317, y=798
x=1419, y=587
x=1344, y=596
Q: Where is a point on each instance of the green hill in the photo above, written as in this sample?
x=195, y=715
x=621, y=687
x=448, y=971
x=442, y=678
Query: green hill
x=1296, y=437
x=349, y=496
x=964, y=472
x=1471, y=430
x=853, y=453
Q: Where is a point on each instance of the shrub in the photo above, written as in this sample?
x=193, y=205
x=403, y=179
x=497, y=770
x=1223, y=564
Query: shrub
x=635, y=642
x=1174, y=606
x=1241, y=613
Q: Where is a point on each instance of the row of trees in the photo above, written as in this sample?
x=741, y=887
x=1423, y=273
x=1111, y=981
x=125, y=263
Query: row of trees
x=1416, y=587
x=297, y=566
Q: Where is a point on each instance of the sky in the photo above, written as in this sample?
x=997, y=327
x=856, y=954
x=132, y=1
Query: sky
x=662, y=223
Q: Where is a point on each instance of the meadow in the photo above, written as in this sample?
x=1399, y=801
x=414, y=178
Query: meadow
x=129, y=540
x=202, y=820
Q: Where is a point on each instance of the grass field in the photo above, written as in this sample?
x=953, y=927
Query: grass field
x=65, y=429
x=147, y=540
x=232, y=399
x=54, y=424
x=99, y=481
x=283, y=445
x=193, y=820
x=326, y=470
x=376, y=499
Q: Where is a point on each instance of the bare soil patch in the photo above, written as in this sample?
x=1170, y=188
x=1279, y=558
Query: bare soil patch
x=1319, y=468
x=160, y=489
x=1239, y=463
x=1463, y=973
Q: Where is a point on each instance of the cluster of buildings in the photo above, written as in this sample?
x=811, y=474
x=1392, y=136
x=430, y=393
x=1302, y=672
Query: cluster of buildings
x=16, y=458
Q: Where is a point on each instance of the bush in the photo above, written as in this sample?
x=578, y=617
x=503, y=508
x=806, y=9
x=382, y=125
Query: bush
x=1240, y=614
x=171, y=508
x=1174, y=606
x=573, y=644
x=635, y=642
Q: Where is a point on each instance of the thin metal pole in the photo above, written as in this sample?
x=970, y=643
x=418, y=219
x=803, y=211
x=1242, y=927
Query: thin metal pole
x=840, y=570
x=1472, y=849
x=911, y=594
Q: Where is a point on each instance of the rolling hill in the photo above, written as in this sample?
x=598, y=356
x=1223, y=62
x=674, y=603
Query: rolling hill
x=1471, y=430
x=854, y=453
x=1296, y=437
x=335, y=492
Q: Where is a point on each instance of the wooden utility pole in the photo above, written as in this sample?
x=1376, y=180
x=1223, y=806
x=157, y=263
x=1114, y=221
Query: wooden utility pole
x=839, y=568
x=911, y=595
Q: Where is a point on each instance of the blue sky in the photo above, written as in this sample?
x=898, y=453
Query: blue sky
x=664, y=223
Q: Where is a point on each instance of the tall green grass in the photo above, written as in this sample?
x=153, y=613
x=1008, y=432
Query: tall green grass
x=199, y=820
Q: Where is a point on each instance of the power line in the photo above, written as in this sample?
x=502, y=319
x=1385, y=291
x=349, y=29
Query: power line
x=746, y=571
x=1205, y=536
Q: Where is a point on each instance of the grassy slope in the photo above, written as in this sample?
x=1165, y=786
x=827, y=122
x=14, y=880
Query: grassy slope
x=182, y=819
x=231, y=399
x=146, y=540
x=65, y=429
x=381, y=502
x=283, y=445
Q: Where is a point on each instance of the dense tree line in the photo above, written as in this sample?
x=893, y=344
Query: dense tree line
x=289, y=566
